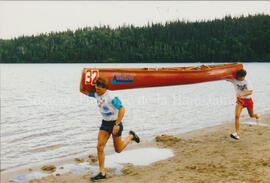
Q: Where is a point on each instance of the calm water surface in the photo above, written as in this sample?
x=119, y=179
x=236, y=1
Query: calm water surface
x=44, y=117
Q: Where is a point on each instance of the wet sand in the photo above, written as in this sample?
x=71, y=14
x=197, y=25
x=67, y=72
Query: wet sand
x=205, y=155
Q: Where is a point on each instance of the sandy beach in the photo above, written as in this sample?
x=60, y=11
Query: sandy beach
x=205, y=155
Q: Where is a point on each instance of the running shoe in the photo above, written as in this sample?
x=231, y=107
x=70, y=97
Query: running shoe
x=235, y=136
x=135, y=137
x=98, y=177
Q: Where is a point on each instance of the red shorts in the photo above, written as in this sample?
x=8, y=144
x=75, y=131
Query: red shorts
x=245, y=102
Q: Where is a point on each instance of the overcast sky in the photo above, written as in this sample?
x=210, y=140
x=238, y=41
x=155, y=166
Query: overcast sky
x=30, y=17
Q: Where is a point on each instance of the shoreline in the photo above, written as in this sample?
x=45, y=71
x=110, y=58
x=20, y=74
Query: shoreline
x=74, y=159
x=202, y=155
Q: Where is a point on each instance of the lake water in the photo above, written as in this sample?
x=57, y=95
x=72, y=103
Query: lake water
x=45, y=118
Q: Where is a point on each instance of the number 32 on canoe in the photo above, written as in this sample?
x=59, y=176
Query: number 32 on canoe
x=91, y=77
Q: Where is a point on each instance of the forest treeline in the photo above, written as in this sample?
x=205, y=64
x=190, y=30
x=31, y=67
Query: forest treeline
x=239, y=39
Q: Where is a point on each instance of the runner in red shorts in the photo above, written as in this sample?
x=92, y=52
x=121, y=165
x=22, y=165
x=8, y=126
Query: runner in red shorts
x=243, y=93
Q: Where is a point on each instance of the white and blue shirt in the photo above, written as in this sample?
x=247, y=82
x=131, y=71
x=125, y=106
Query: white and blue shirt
x=107, y=105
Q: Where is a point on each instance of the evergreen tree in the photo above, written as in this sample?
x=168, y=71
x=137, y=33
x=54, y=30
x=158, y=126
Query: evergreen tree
x=244, y=39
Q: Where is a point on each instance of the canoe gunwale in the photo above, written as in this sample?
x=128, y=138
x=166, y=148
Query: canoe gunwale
x=170, y=69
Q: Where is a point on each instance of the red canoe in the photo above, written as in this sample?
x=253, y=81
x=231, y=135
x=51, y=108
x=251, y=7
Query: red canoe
x=127, y=78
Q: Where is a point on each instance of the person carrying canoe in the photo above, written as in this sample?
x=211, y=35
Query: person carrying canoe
x=243, y=91
x=112, y=111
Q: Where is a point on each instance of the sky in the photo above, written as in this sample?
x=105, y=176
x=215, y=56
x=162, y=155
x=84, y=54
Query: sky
x=19, y=18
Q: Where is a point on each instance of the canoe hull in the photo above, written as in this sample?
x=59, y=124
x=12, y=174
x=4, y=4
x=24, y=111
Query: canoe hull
x=120, y=79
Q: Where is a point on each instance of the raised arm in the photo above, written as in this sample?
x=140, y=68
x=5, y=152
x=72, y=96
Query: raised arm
x=229, y=80
x=82, y=89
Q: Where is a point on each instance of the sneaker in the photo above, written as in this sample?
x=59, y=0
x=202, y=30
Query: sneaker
x=135, y=137
x=98, y=177
x=235, y=136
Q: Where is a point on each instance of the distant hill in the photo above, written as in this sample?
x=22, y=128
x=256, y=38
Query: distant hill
x=244, y=39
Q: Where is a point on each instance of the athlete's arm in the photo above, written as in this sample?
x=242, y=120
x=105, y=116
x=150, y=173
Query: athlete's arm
x=229, y=80
x=244, y=93
x=121, y=114
x=116, y=102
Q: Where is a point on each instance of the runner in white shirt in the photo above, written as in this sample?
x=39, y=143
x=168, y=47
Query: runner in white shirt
x=243, y=91
x=112, y=112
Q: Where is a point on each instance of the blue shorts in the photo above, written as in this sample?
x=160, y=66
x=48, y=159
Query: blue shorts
x=108, y=127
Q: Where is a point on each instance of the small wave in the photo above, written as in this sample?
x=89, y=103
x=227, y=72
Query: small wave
x=35, y=135
x=11, y=120
x=68, y=155
x=45, y=148
x=26, y=137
